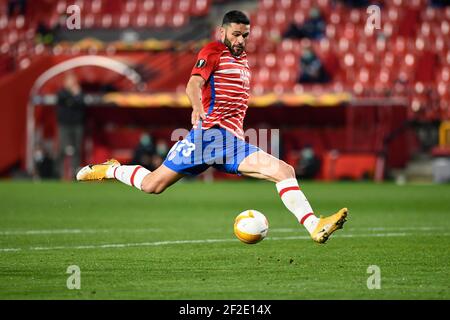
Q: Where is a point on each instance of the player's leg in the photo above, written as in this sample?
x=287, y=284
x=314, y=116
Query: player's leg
x=133, y=175
x=154, y=182
x=159, y=180
x=262, y=165
x=180, y=161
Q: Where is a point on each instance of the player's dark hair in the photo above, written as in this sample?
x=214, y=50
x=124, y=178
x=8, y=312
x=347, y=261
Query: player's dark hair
x=235, y=16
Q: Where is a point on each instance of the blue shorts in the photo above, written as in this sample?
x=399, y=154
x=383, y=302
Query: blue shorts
x=200, y=149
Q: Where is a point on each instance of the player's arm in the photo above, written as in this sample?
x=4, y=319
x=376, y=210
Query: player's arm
x=194, y=93
x=207, y=62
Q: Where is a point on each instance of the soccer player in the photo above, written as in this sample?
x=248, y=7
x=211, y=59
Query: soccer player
x=219, y=90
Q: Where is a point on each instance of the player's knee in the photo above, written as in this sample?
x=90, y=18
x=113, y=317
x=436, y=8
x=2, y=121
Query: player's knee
x=286, y=172
x=153, y=187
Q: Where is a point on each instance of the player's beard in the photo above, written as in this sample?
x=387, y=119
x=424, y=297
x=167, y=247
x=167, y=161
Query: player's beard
x=235, y=50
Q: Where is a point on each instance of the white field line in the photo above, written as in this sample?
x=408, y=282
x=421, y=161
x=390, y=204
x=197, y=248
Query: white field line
x=72, y=231
x=273, y=230
x=161, y=243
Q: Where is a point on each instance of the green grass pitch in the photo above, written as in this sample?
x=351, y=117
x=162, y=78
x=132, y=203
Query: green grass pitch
x=180, y=244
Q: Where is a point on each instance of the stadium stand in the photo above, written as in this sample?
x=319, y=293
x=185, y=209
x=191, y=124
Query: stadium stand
x=408, y=57
x=413, y=46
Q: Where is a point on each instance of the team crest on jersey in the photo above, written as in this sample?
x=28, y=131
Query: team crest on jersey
x=200, y=63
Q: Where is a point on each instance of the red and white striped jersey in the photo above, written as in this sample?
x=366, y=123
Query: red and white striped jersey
x=227, y=89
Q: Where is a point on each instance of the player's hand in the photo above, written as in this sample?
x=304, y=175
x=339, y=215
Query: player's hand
x=197, y=114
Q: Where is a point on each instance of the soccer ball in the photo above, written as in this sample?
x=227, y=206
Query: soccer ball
x=251, y=226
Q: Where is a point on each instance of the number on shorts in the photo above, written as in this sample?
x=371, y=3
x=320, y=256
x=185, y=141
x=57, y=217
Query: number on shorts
x=186, y=146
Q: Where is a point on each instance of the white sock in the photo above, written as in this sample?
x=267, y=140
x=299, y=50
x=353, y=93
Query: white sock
x=130, y=175
x=296, y=202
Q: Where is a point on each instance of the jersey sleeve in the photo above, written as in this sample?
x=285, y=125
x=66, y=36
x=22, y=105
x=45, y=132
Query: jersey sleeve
x=207, y=62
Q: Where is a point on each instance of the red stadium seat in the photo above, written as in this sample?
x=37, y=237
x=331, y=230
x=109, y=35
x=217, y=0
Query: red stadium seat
x=298, y=17
x=96, y=6
x=289, y=60
x=124, y=20
x=257, y=33
x=147, y=6
x=439, y=44
x=183, y=6
x=88, y=21
x=267, y=4
x=285, y=5
x=357, y=17
x=200, y=7
x=445, y=28
x=330, y=31
x=383, y=78
x=160, y=20
x=304, y=5
x=131, y=6
x=425, y=29
x=106, y=20
x=166, y=6
x=141, y=20
x=261, y=19
x=281, y=21
x=270, y=60
x=343, y=45
x=178, y=20
x=253, y=62
x=446, y=58
x=287, y=76
x=388, y=29
x=443, y=89
x=3, y=22
x=262, y=75
x=251, y=45
x=444, y=75
x=364, y=75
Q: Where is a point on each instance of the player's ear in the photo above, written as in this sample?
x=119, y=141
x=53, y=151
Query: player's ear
x=222, y=33
x=218, y=33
